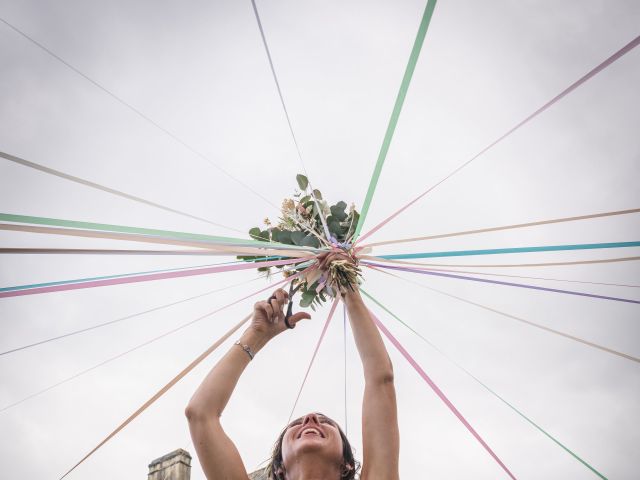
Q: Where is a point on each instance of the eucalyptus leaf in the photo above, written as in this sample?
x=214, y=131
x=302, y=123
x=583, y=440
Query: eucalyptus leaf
x=303, y=182
x=337, y=211
x=284, y=236
x=310, y=241
x=254, y=232
x=317, y=194
x=298, y=237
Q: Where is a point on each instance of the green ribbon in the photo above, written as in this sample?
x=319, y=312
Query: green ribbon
x=397, y=108
x=7, y=217
x=566, y=449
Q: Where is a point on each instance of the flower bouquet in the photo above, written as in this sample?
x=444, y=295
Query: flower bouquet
x=308, y=220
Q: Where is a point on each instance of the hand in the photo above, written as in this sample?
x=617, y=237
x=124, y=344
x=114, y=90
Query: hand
x=268, y=316
x=324, y=262
x=326, y=259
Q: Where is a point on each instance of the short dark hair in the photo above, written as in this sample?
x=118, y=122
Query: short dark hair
x=350, y=466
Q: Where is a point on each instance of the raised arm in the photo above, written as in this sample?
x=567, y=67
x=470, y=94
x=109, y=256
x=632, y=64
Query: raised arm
x=380, y=434
x=218, y=455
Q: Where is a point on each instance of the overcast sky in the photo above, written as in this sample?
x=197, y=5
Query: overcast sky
x=199, y=69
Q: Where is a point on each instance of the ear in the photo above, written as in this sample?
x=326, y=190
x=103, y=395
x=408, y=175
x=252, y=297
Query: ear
x=346, y=470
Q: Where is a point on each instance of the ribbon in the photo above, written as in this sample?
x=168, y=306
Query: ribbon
x=105, y=277
x=519, y=319
x=147, y=277
x=495, y=251
x=510, y=284
x=182, y=373
x=202, y=239
x=566, y=449
x=507, y=227
x=395, y=115
x=229, y=250
x=511, y=265
x=135, y=110
x=97, y=186
x=313, y=357
x=438, y=392
x=103, y=251
x=121, y=319
x=626, y=49
x=532, y=278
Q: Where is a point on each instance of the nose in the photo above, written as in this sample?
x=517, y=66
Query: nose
x=311, y=418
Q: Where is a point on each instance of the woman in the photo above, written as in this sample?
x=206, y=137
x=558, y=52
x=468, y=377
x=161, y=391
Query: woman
x=312, y=447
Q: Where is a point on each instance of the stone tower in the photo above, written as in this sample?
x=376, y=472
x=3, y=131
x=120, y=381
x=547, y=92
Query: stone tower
x=172, y=466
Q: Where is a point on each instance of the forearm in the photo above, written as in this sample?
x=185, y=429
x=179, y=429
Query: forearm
x=373, y=354
x=212, y=396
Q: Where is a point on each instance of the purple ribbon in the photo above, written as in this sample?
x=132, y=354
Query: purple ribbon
x=498, y=282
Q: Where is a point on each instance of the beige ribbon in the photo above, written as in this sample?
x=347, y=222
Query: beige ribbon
x=503, y=265
x=506, y=227
x=230, y=250
x=518, y=319
x=163, y=390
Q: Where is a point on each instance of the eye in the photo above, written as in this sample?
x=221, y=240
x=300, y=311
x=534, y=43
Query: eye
x=327, y=421
x=293, y=424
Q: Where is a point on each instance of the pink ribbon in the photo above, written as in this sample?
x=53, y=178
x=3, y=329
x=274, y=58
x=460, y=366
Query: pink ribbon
x=150, y=276
x=313, y=357
x=624, y=50
x=438, y=392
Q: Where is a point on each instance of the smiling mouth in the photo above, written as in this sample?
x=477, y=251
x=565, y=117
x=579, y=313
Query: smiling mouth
x=311, y=431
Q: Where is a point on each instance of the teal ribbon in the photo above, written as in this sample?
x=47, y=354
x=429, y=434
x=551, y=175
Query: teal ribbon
x=395, y=115
x=494, y=251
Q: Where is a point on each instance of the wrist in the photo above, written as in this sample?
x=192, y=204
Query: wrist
x=352, y=296
x=254, y=339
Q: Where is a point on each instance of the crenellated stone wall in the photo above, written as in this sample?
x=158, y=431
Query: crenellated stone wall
x=172, y=466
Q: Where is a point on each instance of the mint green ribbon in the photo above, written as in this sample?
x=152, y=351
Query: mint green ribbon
x=395, y=115
x=170, y=234
x=548, y=435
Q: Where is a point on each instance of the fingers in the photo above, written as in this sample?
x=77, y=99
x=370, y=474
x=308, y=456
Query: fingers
x=326, y=258
x=266, y=308
x=281, y=296
x=273, y=306
x=277, y=310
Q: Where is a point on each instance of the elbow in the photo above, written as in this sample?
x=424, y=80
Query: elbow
x=381, y=378
x=196, y=413
x=191, y=412
x=386, y=378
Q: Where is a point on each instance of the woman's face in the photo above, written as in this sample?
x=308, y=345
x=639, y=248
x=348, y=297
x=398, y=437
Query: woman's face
x=312, y=433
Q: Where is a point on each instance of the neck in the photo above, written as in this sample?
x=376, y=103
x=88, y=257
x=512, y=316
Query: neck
x=313, y=468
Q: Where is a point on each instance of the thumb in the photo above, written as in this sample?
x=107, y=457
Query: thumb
x=296, y=317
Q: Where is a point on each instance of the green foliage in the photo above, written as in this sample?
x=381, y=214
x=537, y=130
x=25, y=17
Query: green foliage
x=303, y=182
x=298, y=237
x=301, y=225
